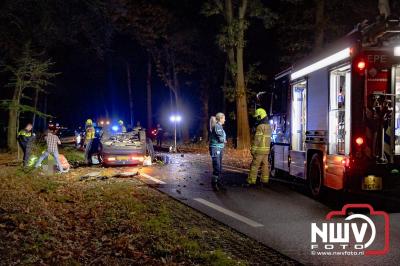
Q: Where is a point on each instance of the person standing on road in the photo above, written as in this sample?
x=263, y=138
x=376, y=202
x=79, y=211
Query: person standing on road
x=52, y=142
x=260, y=148
x=217, y=144
x=160, y=135
x=122, y=126
x=25, y=140
x=138, y=126
x=89, y=136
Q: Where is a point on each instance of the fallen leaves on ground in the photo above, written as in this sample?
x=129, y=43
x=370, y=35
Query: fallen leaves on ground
x=61, y=220
x=232, y=157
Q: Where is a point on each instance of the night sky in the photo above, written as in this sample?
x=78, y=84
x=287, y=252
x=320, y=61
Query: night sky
x=93, y=84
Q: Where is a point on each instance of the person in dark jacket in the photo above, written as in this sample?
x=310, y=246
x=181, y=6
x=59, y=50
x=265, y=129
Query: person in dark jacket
x=160, y=135
x=25, y=140
x=96, y=147
x=217, y=144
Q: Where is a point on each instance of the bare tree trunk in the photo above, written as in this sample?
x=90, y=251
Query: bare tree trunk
x=11, y=130
x=319, y=24
x=45, y=111
x=225, y=82
x=230, y=50
x=175, y=87
x=231, y=62
x=205, y=122
x=35, y=105
x=149, y=107
x=171, y=101
x=184, y=124
x=243, y=129
x=13, y=120
x=128, y=75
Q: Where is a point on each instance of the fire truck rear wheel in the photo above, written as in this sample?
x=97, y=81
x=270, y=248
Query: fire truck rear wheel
x=315, y=178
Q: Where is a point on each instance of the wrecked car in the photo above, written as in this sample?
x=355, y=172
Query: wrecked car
x=127, y=148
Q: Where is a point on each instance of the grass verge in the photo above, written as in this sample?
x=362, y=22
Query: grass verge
x=56, y=220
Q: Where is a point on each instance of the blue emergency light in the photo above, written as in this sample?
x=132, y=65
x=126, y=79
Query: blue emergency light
x=114, y=128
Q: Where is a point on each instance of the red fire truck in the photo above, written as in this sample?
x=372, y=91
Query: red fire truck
x=336, y=115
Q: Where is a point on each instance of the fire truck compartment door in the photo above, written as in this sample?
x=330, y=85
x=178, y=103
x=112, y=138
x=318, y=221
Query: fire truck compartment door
x=297, y=163
x=334, y=171
x=317, y=102
x=281, y=155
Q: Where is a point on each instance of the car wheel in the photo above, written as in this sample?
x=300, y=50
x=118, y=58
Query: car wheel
x=315, y=176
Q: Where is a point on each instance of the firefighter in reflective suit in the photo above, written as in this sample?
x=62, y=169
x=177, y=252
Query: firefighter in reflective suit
x=89, y=136
x=260, y=148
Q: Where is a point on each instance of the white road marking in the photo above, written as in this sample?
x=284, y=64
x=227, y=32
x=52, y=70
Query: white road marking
x=152, y=178
x=229, y=213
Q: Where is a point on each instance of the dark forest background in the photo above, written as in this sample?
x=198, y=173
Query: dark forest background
x=93, y=51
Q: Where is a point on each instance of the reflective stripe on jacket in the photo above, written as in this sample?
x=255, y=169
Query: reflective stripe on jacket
x=24, y=136
x=262, y=139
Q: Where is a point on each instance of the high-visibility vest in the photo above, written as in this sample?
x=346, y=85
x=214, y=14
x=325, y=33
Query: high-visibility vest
x=25, y=133
x=90, y=133
x=262, y=139
x=24, y=136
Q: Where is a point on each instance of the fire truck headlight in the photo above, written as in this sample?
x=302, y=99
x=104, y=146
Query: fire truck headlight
x=397, y=51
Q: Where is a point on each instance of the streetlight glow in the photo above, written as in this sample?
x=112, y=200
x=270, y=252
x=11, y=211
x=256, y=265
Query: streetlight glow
x=175, y=119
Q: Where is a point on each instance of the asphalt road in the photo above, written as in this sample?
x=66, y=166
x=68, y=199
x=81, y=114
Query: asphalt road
x=279, y=216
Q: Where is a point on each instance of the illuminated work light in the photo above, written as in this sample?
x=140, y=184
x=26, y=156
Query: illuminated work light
x=339, y=56
x=397, y=51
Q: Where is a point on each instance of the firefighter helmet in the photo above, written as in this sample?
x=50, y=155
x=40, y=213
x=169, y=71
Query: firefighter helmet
x=121, y=122
x=89, y=122
x=260, y=113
